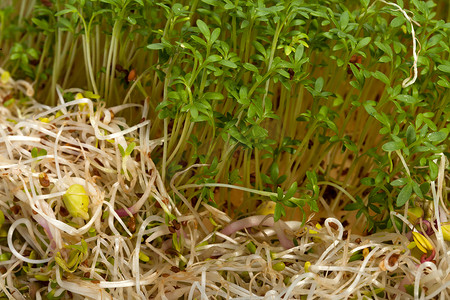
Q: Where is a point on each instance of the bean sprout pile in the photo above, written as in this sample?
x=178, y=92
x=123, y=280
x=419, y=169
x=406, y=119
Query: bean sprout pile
x=120, y=234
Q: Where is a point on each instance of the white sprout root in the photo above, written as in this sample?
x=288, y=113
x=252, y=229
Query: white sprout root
x=134, y=247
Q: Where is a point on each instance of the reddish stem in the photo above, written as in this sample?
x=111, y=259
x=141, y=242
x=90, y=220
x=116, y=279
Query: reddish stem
x=424, y=257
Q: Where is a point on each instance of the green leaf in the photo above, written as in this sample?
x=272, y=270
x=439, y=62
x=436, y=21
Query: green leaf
x=274, y=171
x=365, y=3
x=404, y=195
x=443, y=82
x=368, y=105
x=408, y=99
x=299, y=52
x=430, y=123
x=410, y=134
x=279, y=193
x=363, y=42
x=215, y=35
x=319, y=84
x=266, y=179
x=156, y=46
x=199, y=40
x=397, y=22
x=193, y=111
x=352, y=206
x=444, y=68
x=437, y=136
x=212, y=58
x=35, y=152
x=234, y=132
x=385, y=48
x=131, y=20
x=434, y=170
x=399, y=182
x=291, y=191
x=369, y=181
x=213, y=96
x=392, y=146
x=279, y=212
x=381, y=77
x=251, y=67
x=130, y=148
x=385, y=59
x=283, y=73
x=258, y=46
x=343, y=21
x=65, y=11
x=40, y=23
x=204, y=29
x=122, y=151
x=228, y=63
x=417, y=190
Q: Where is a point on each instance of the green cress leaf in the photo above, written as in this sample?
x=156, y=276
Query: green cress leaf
x=410, y=134
x=404, y=195
x=434, y=170
x=204, y=29
x=155, y=46
x=399, y=182
x=251, y=67
x=438, y=136
x=444, y=68
x=392, y=146
x=363, y=42
x=381, y=77
x=343, y=20
x=279, y=212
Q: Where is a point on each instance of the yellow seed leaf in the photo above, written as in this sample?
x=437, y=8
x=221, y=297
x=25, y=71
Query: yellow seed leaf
x=2, y=218
x=143, y=257
x=307, y=265
x=446, y=231
x=91, y=95
x=59, y=114
x=266, y=208
x=77, y=201
x=6, y=76
x=414, y=213
x=366, y=252
x=411, y=245
x=422, y=242
x=279, y=266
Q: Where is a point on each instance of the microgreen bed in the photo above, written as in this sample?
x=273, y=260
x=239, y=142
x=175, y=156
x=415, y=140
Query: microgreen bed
x=224, y=150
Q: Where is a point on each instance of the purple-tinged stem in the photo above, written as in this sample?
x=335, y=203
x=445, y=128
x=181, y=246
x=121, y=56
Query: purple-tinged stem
x=424, y=257
x=124, y=212
x=260, y=220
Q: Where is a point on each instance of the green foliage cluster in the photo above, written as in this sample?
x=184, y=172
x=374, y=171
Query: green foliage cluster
x=274, y=95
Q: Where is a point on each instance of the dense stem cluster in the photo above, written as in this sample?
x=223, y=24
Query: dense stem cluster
x=224, y=149
x=130, y=248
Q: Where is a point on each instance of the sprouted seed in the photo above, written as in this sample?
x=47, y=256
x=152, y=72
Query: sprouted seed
x=94, y=222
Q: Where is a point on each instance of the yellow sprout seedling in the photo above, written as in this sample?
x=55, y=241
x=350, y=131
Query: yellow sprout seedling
x=77, y=201
x=422, y=242
x=266, y=208
x=6, y=76
x=446, y=231
x=415, y=213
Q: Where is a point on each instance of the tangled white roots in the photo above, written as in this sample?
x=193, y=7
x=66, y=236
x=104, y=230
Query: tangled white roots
x=137, y=244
